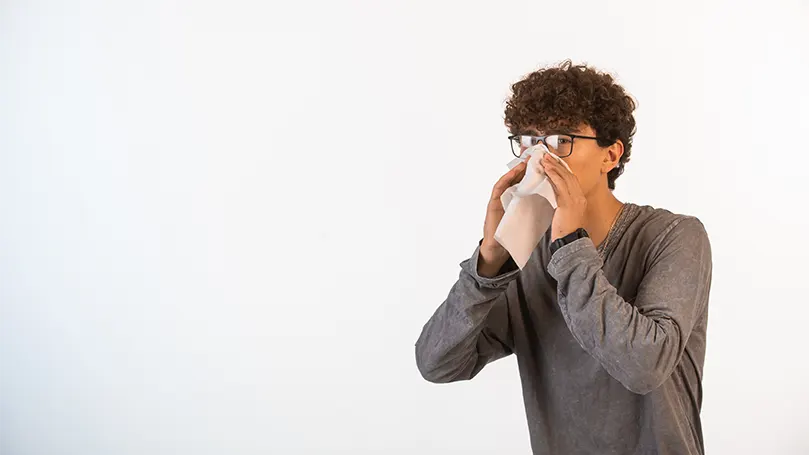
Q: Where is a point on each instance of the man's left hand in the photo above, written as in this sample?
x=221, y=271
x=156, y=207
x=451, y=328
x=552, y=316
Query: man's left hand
x=570, y=200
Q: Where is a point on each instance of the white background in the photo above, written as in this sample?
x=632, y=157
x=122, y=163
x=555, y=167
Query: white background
x=223, y=224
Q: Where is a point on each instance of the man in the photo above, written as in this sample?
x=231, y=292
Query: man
x=608, y=318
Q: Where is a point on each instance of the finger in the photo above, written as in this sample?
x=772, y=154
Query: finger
x=571, y=181
x=520, y=172
x=506, y=180
x=546, y=160
x=555, y=187
x=548, y=163
x=551, y=160
x=564, y=173
x=557, y=181
x=515, y=173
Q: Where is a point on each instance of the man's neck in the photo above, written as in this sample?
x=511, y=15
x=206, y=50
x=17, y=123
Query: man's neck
x=602, y=210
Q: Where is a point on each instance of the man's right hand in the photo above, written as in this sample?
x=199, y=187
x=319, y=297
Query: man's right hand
x=492, y=254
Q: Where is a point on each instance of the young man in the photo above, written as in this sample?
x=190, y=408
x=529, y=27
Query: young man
x=608, y=318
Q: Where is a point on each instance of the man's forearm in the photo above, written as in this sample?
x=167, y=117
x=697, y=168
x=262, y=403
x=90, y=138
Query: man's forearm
x=491, y=259
x=469, y=329
x=639, y=344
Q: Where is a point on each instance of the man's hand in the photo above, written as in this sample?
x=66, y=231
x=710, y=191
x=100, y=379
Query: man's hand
x=492, y=254
x=570, y=200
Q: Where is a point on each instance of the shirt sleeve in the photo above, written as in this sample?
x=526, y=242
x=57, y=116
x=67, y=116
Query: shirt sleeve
x=640, y=344
x=470, y=328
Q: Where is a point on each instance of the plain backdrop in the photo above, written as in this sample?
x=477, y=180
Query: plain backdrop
x=224, y=224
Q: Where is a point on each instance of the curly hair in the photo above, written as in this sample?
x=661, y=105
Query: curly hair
x=564, y=96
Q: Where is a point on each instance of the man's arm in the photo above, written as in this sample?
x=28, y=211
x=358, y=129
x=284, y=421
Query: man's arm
x=470, y=328
x=638, y=345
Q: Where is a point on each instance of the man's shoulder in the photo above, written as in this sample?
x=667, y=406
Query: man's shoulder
x=656, y=224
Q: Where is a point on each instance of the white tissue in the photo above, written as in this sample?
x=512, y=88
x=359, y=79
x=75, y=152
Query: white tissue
x=529, y=207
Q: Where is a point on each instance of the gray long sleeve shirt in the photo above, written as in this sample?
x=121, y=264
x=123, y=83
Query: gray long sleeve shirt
x=610, y=352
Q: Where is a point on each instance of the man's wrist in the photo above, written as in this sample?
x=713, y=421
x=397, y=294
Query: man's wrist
x=491, y=258
x=493, y=251
x=568, y=238
x=560, y=233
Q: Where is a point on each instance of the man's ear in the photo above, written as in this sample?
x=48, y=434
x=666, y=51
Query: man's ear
x=612, y=157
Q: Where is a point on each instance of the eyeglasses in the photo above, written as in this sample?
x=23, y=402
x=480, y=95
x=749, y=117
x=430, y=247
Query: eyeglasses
x=560, y=145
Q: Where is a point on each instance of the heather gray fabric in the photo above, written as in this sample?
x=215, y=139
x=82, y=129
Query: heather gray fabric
x=610, y=352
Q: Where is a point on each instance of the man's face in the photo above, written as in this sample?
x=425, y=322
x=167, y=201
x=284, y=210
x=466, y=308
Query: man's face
x=588, y=161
